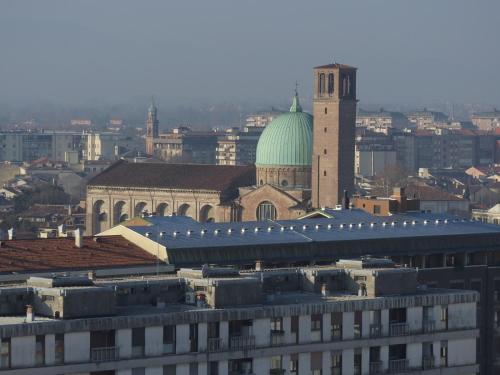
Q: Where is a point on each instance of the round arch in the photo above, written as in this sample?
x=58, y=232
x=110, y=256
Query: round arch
x=266, y=211
x=162, y=209
x=118, y=212
x=184, y=210
x=99, y=216
x=207, y=214
x=139, y=208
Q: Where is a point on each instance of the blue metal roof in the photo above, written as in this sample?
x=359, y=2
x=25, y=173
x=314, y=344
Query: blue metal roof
x=179, y=232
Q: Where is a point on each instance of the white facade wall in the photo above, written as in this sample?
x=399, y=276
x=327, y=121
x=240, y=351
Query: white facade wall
x=304, y=329
x=262, y=332
x=182, y=338
x=77, y=347
x=347, y=325
x=414, y=318
x=261, y=365
x=461, y=352
x=23, y=351
x=414, y=354
x=461, y=315
x=123, y=340
x=202, y=336
x=154, y=340
x=326, y=327
x=304, y=363
x=50, y=353
x=347, y=361
x=153, y=371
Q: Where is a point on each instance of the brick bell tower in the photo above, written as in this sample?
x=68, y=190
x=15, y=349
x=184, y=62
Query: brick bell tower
x=151, y=127
x=334, y=131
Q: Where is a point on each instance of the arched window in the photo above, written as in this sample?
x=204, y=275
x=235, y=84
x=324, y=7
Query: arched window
x=321, y=84
x=266, y=211
x=331, y=83
x=284, y=183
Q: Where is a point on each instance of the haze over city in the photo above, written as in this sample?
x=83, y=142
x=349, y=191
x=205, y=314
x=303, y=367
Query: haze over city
x=122, y=51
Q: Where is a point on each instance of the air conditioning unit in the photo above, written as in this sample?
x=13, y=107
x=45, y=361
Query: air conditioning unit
x=190, y=298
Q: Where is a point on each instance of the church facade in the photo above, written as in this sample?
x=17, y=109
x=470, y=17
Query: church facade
x=302, y=163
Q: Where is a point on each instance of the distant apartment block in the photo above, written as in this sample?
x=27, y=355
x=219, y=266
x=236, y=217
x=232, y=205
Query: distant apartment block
x=81, y=122
x=373, y=155
x=357, y=317
x=381, y=121
x=425, y=118
x=29, y=146
x=487, y=120
x=260, y=120
x=99, y=146
x=237, y=148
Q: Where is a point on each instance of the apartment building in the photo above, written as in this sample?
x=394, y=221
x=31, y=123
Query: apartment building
x=381, y=121
x=487, y=120
x=356, y=317
x=237, y=148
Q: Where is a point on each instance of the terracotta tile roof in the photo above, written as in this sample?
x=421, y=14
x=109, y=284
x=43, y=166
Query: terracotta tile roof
x=175, y=176
x=430, y=193
x=59, y=254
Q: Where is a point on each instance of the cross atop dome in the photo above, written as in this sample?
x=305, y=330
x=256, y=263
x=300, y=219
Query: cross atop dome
x=295, y=102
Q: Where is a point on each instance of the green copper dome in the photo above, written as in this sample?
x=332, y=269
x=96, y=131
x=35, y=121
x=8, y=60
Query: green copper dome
x=287, y=140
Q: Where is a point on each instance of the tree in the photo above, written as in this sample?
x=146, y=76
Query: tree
x=393, y=175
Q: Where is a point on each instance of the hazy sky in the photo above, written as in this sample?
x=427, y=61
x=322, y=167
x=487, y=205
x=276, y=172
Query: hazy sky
x=71, y=52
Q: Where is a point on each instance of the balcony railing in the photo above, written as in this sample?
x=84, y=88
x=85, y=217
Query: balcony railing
x=277, y=337
x=428, y=362
x=399, y=329
x=336, y=334
x=375, y=330
x=104, y=354
x=215, y=344
x=428, y=326
x=376, y=367
x=137, y=351
x=398, y=365
x=169, y=348
x=242, y=342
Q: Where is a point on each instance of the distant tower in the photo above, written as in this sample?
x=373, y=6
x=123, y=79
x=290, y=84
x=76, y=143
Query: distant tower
x=151, y=128
x=334, y=110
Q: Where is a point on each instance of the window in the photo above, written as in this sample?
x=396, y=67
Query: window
x=324, y=173
x=266, y=211
x=5, y=353
x=138, y=341
x=139, y=371
x=336, y=326
x=277, y=324
x=326, y=111
x=294, y=364
x=336, y=363
x=276, y=363
x=324, y=151
x=59, y=348
x=321, y=84
x=331, y=82
x=358, y=321
x=316, y=322
x=443, y=353
x=213, y=368
x=193, y=337
x=444, y=316
x=169, y=339
x=357, y=362
x=40, y=350
x=325, y=129
x=170, y=370
x=376, y=209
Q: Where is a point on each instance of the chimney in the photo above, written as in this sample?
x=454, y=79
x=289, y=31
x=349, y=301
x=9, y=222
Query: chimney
x=61, y=229
x=91, y=275
x=324, y=290
x=11, y=233
x=259, y=265
x=345, y=200
x=30, y=316
x=78, y=238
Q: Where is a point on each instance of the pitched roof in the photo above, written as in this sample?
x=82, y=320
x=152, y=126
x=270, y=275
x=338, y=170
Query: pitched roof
x=430, y=193
x=58, y=254
x=175, y=176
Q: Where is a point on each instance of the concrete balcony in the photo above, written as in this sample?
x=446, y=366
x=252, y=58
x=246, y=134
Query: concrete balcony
x=398, y=365
x=242, y=343
x=215, y=344
x=428, y=326
x=399, y=329
x=428, y=362
x=104, y=354
x=169, y=348
x=376, y=368
x=375, y=330
x=277, y=338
